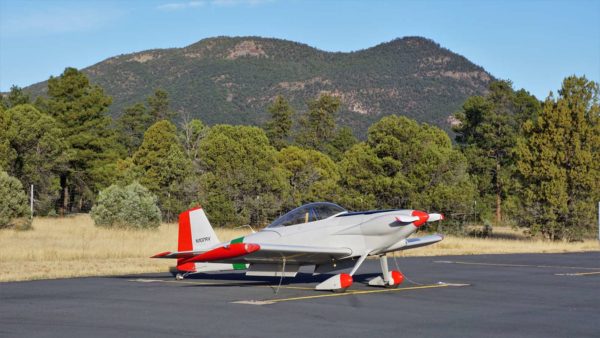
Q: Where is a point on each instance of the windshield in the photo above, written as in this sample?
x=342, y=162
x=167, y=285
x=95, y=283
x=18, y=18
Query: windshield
x=308, y=213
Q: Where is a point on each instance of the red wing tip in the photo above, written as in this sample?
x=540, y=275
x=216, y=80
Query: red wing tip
x=162, y=254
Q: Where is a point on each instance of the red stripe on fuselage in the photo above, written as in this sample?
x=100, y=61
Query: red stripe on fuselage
x=224, y=252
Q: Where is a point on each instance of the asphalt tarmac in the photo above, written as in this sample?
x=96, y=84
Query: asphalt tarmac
x=524, y=295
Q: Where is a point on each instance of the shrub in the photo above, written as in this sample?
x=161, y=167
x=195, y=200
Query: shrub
x=132, y=206
x=13, y=202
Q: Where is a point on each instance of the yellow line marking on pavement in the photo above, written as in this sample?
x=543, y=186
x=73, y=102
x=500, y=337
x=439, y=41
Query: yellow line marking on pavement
x=518, y=265
x=351, y=293
x=578, y=274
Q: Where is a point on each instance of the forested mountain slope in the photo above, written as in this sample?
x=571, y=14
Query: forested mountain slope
x=233, y=79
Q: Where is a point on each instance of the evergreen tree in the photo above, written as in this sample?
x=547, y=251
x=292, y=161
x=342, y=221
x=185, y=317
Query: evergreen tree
x=131, y=126
x=318, y=127
x=241, y=181
x=343, y=140
x=161, y=166
x=36, y=152
x=158, y=105
x=487, y=136
x=312, y=175
x=15, y=97
x=80, y=108
x=13, y=201
x=407, y=165
x=559, y=160
x=279, y=127
x=191, y=134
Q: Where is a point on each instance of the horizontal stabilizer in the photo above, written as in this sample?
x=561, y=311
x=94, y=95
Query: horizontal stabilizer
x=178, y=254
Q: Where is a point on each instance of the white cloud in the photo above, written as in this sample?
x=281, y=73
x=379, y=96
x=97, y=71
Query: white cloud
x=57, y=21
x=230, y=3
x=180, y=5
x=174, y=6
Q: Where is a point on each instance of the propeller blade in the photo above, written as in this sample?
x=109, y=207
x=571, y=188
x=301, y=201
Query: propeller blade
x=406, y=219
x=435, y=217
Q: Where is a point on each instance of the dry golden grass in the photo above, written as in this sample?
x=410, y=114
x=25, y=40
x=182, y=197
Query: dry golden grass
x=73, y=246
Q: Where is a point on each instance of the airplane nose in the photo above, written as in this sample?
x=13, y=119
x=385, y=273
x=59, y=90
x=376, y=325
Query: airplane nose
x=423, y=217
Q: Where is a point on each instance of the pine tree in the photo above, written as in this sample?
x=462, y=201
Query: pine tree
x=161, y=166
x=158, y=105
x=487, y=136
x=279, y=127
x=131, y=126
x=405, y=164
x=241, y=181
x=559, y=160
x=312, y=175
x=191, y=134
x=80, y=108
x=15, y=97
x=36, y=152
x=343, y=140
x=318, y=127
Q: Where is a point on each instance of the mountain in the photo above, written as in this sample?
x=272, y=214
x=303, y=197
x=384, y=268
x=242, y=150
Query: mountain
x=233, y=79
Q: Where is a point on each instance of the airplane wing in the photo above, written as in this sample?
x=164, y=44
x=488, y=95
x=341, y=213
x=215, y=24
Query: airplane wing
x=411, y=243
x=261, y=253
x=417, y=242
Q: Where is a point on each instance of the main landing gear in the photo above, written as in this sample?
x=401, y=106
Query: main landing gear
x=388, y=279
x=341, y=282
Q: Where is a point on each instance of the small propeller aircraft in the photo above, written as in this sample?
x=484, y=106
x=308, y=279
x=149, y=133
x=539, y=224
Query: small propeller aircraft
x=320, y=234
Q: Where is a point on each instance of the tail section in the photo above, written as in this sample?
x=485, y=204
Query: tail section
x=195, y=231
x=196, y=234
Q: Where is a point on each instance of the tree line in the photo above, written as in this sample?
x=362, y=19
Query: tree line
x=515, y=160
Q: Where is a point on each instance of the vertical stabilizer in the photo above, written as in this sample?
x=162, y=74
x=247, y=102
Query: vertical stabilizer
x=195, y=234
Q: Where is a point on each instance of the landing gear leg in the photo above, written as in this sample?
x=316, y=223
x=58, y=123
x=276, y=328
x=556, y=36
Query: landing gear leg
x=342, y=281
x=181, y=276
x=384, y=268
x=388, y=279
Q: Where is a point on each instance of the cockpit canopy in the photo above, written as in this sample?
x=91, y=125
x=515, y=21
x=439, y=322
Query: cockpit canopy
x=308, y=213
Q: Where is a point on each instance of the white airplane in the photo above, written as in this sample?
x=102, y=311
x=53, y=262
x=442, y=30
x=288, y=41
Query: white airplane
x=321, y=234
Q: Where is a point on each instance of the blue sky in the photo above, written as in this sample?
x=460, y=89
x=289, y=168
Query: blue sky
x=533, y=43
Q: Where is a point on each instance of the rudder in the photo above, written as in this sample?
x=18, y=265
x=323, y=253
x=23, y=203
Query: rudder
x=195, y=234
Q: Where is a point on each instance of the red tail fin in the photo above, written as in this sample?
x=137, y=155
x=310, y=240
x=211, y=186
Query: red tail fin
x=195, y=234
x=185, y=240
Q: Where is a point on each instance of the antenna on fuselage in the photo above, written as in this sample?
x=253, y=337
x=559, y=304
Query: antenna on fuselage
x=246, y=225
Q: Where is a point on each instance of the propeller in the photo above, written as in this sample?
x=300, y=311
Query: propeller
x=424, y=217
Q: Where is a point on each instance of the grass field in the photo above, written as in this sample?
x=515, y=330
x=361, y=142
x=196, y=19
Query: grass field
x=73, y=246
